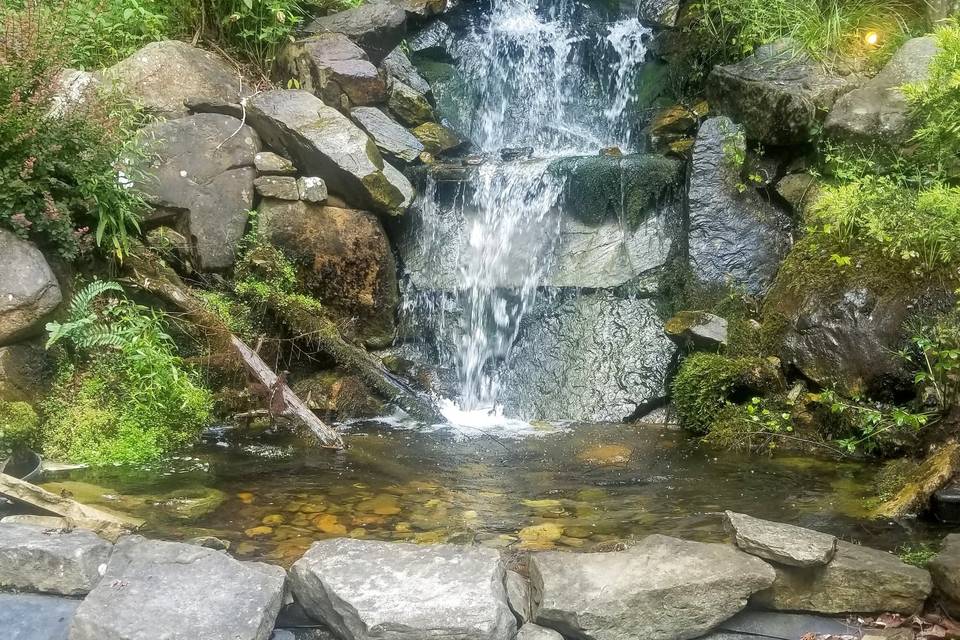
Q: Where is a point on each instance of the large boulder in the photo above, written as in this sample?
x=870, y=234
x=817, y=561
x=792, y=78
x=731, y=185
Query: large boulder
x=323, y=142
x=199, y=176
x=779, y=94
x=878, y=112
x=163, y=75
x=398, y=66
x=29, y=291
x=33, y=558
x=658, y=13
x=592, y=357
x=945, y=569
x=378, y=26
x=29, y=616
x=181, y=591
x=343, y=258
x=393, y=591
x=735, y=236
x=331, y=66
x=661, y=589
x=848, y=339
x=392, y=139
x=857, y=580
x=782, y=543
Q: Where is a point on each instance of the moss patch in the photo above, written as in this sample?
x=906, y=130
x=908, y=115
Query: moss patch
x=19, y=427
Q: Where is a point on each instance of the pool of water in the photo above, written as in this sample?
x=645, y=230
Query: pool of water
x=580, y=488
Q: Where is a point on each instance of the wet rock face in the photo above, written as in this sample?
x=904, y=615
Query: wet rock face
x=163, y=75
x=594, y=358
x=323, y=142
x=331, y=66
x=343, y=258
x=200, y=175
x=29, y=291
x=393, y=591
x=397, y=65
x=33, y=558
x=849, y=339
x=878, y=111
x=735, y=235
x=779, y=94
x=377, y=26
x=661, y=589
x=26, y=371
x=857, y=580
x=187, y=591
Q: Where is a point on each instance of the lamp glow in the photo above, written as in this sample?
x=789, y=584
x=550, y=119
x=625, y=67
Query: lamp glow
x=871, y=38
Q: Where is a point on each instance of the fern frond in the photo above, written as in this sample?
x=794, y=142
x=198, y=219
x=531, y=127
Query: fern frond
x=101, y=335
x=80, y=304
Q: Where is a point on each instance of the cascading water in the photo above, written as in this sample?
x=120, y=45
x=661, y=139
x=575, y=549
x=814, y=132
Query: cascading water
x=543, y=81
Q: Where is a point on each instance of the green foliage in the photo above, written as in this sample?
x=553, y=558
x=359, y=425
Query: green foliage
x=255, y=28
x=127, y=397
x=707, y=384
x=58, y=170
x=918, y=555
x=934, y=353
x=874, y=428
x=752, y=426
x=266, y=277
x=19, y=427
x=236, y=315
x=935, y=103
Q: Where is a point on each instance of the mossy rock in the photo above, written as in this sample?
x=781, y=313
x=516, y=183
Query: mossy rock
x=932, y=474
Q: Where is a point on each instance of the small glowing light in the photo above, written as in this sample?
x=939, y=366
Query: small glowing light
x=871, y=38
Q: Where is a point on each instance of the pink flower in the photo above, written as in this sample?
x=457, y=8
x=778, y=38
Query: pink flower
x=21, y=221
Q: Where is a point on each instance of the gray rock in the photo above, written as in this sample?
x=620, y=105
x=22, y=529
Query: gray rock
x=782, y=543
x=28, y=616
x=201, y=174
x=661, y=589
x=323, y=142
x=29, y=291
x=773, y=625
x=399, y=181
x=945, y=569
x=798, y=190
x=847, y=339
x=592, y=357
x=26, y=371
x=422, y=8
x=46, y=522
x=279, y=187
x=409, y=106
x=658, y=13
x=163, y=75
x=394, y=591
x=878, y=111
x=697, y=328
x=433, y=41
x=186, y=591
x=392, y=139
x=74, y=88
x=333, y=68
x=270, y=164
x=857, y=580
x=312, y=189
x=33, y=558
x=536, y=632
x=518, y=596
x=734, y=235
x=779, y=94
x=397, y=65
x=378, y=26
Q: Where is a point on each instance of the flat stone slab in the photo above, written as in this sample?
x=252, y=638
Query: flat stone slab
x=773, y=624
x=34, y=558
x=188, y=592
x=30, y=616
x=393, y=591
x=857, y=580
x=661, y=589
x=782, y=543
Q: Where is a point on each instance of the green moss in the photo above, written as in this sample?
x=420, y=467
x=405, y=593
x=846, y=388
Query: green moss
x=918, y=555
x=19, y=427
x=235, y=314
x=893, y=476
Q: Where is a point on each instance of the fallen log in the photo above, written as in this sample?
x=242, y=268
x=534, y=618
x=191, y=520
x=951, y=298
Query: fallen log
x=935, y=471
x=104, y=523
x=150, y=274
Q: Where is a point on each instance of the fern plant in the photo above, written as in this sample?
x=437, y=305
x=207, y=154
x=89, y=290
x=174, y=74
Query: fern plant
x=84, y=327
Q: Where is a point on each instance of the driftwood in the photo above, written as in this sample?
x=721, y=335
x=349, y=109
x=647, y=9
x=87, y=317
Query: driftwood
x=106, y=524
x=150, y=274
x=934, y=472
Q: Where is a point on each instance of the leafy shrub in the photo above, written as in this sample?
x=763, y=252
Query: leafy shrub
x=19, y=427
x=255, y=28
x=934, y=353
x=126, y=396
x=58, y=170
x=751, y=426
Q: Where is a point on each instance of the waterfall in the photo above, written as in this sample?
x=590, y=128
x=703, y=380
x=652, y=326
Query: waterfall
x=543, y=81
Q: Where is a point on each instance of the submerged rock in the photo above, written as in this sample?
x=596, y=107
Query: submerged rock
x=34, y=558
x=857, y=580
x=735, y=236
x=661, y=589
x=27, y=616
x=378, y=26
x=782, y=543
x=394, y=591
x=334, y=69
x=779, y=94
x=29, y=291
x=163, y=75
x=199, y=177
x=945, y=569
x=878, y=112
x=592, y=357
x=186, y=591
x=323, y=142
